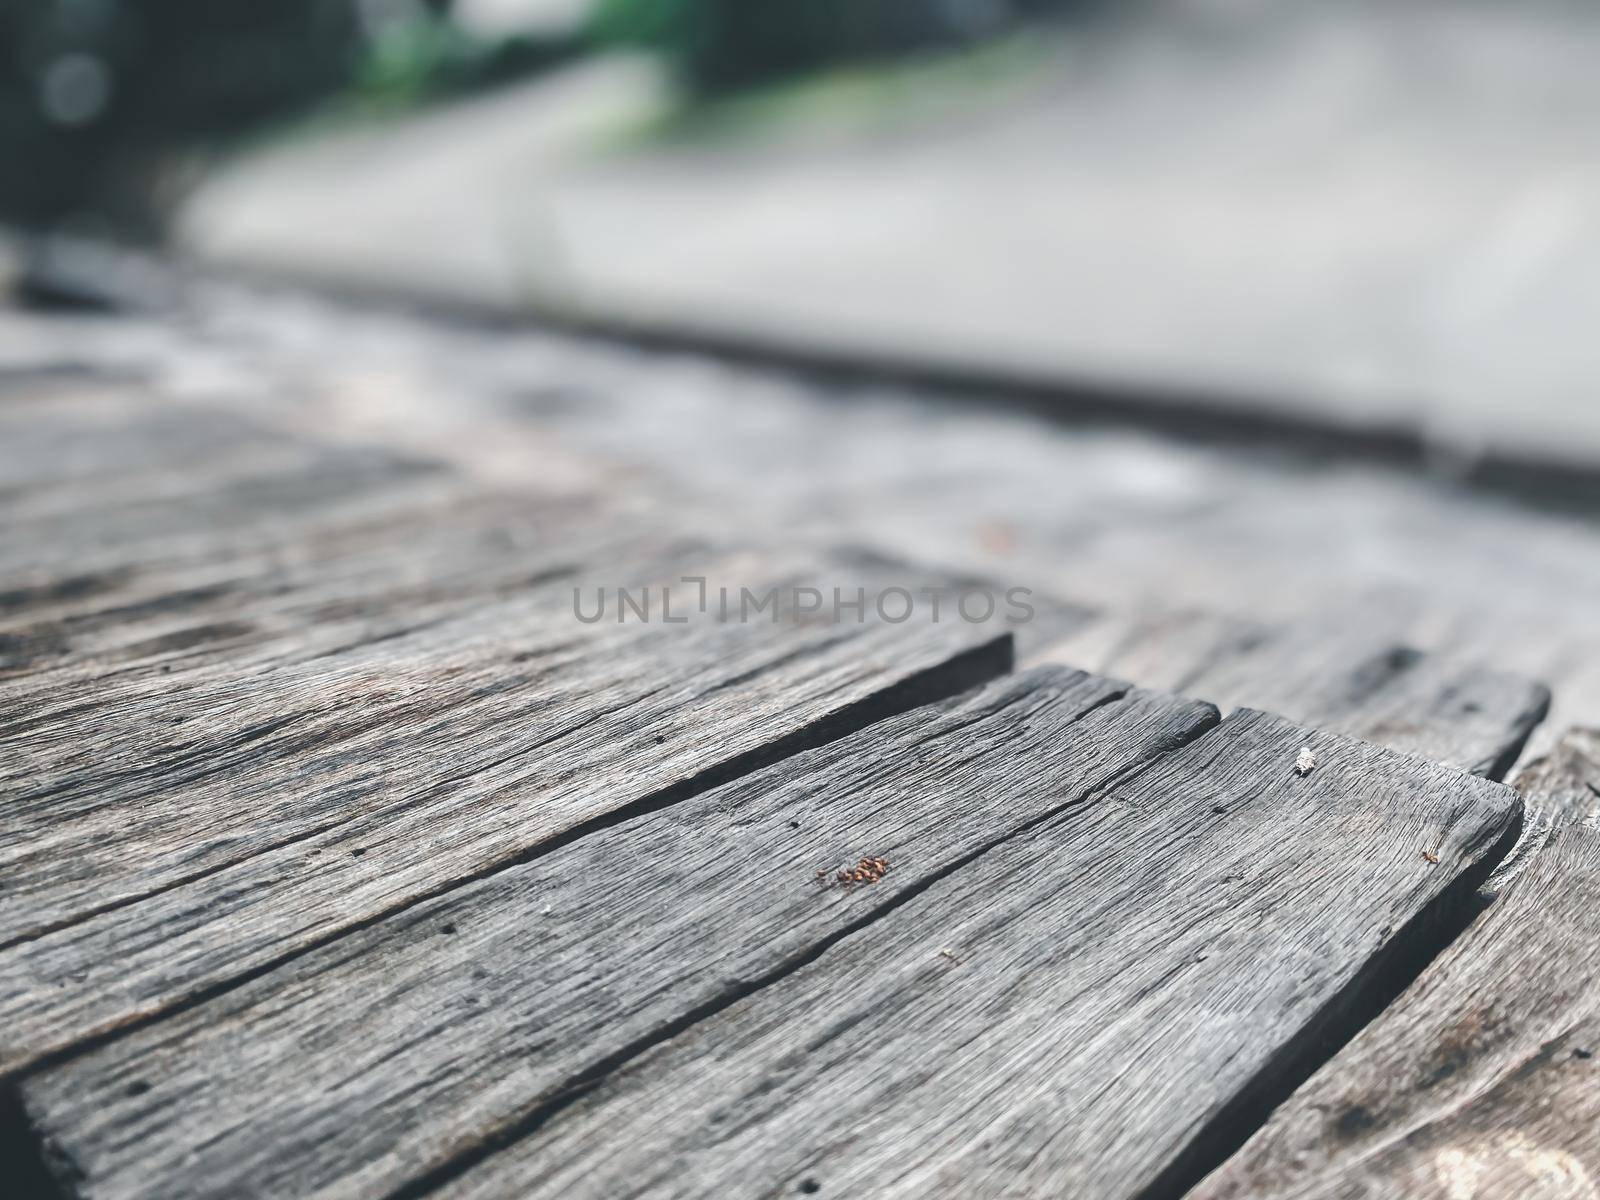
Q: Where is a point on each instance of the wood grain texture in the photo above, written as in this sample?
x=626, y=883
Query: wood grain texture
x=1078, y=1012
x=314, y=797
x=258, y=685
x=401, y=1046
x=146, y=535
x=173, y=735
x=73, y=639
x=1483, y=1080
x=1344, y=674
x=116, y=484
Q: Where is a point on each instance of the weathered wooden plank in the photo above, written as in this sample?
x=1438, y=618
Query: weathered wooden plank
x=1483, y=1079
x=133, y=522
x=171, y=512
x=1346, y=675
x=180, y=644
x=137, y=498
x=156, y=561
x=1079, y=1012
x=315, y=796
x=193, y=745
x=397, y=1047
x=102, y=443
x=1107, y=517
x=70, y=636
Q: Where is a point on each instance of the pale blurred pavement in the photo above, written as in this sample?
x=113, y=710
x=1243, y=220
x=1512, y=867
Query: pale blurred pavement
x=1376, y=215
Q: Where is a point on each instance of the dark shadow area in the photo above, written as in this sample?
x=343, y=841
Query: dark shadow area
x=22, y=1153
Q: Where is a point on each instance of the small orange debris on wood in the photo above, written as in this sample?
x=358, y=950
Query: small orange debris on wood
x=869, y=871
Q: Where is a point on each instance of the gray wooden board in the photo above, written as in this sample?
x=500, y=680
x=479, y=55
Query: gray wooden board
x=264, y=492
x=72, y=639
x=1348, y=675
x=71, y=636
x=114, y=574
x=1080, y=1011
x=129, y=766
x=60, y=453
x=136, y=522
x=317, y=796
x=392, y=1050
x=133, y=519
x=1483, y=1079
x=134, y=499
x=233, y=657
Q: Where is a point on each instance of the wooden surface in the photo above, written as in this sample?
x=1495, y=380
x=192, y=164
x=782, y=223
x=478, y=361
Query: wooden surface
x=1119, y=520
x=1340, y=675
x=340, y=859
x=1483, y=1079
x=506, y=980
x=242, y=728
x=1120, y=982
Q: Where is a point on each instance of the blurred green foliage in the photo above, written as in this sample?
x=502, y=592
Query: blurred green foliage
x=720, y=45
x=852, y=98
x=432, y=56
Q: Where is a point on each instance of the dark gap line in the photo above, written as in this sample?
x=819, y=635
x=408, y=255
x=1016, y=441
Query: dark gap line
x=1376, y=986
x=956, y=674
x=1501, y=765
x=1533, y=836
x=590, y=1077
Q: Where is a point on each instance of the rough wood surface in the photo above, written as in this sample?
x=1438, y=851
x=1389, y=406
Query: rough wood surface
x=402, y=1045
x=313, y=798
x=1346, y=674
x=123, y=480
x=1081, y=1011
x=198, y=747
x=1482, y=1082
x=257, y=687
x=141, y=533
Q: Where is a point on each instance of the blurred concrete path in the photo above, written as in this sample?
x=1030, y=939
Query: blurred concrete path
x=1375, y=215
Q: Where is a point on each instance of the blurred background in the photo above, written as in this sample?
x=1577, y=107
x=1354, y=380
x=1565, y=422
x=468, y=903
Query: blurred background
x=1382, y=216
